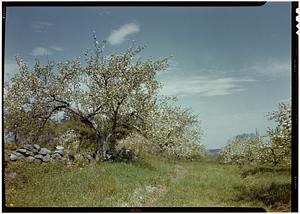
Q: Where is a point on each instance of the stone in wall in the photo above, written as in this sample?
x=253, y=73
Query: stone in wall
x=35, y=154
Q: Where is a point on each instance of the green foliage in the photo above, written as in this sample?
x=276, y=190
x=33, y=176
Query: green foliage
x=75, y=134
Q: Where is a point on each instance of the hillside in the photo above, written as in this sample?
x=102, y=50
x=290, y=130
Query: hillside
x=213, y=152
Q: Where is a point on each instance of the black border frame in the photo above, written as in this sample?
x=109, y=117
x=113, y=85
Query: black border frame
x=294, y=94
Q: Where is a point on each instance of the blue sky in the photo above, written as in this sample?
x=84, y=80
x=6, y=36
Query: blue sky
x=231, y=65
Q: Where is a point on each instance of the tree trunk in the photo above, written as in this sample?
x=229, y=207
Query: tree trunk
x=99, y=143
x=102, y=146
x=15, y=138
x=275, y=160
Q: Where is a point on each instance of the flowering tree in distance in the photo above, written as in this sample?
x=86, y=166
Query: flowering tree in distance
x=243, y=149
x=281, y=134
x=276, y=149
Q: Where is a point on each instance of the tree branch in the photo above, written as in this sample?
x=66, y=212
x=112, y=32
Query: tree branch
x=47, y=118
x=94, y=112
x=83, y=118
x=129, y=126
x=60, y=101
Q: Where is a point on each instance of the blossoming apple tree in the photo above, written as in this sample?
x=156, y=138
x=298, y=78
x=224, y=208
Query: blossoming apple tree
x=106, y=93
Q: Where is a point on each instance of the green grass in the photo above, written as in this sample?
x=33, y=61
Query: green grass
x=150, y=182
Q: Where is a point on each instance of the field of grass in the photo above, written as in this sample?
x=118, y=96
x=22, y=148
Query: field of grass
x=147, y=183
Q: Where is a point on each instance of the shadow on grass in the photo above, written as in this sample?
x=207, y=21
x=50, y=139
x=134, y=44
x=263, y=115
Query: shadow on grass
x=264, y=169
x=275, y=195
x=15, y=175
x=143, y=164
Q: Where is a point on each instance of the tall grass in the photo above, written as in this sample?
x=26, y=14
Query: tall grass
x=148, y=182
x=103, y=184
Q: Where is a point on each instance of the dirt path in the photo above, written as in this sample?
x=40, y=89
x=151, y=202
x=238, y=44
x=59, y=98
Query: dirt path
x=147, y=195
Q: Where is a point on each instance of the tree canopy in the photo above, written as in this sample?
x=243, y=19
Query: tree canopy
x=105, y=93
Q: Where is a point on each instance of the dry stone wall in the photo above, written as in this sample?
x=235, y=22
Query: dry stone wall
x=35, y=154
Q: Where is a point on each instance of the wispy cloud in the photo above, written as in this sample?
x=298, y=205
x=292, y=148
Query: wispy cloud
x=270, y=67
x=102, y=12
x=204, y=86
x=40, y=27
x=40, y=51
x=118, y=36
x=56, y=48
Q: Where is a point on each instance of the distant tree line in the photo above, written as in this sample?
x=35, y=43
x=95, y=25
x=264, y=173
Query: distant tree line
x=275, y=148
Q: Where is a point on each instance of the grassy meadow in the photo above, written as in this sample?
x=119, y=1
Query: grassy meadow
x=151, y=182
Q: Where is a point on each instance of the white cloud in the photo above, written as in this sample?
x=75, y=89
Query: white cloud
x=118, y=36
x=270, y=67
x=204, y=86
x=40, y=27
x=56, y=48
x=40, y=51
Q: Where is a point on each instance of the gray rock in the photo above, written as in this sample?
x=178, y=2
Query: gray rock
x=37, y=147
x=37, y=161
x=46, y=158
x=13, y=157
x=22, y=151
x=127, y=154
x=44, y=151
x=61, y=152
x=56, y=156
x=34, y=151
x=30, y=159
x=18, y=154
x=27, y=146
x=38, y=157
x=12, y=175
x=29, y=153
x=59, y=147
